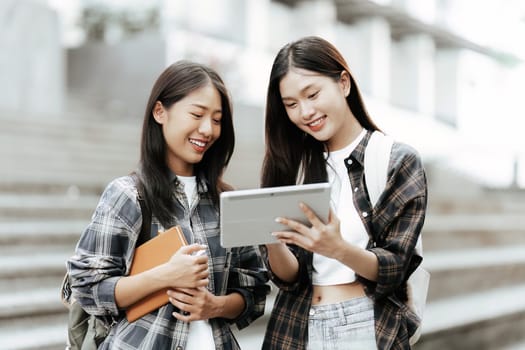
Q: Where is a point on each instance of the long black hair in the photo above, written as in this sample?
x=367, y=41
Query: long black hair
x=289, y=150
x=174, y=83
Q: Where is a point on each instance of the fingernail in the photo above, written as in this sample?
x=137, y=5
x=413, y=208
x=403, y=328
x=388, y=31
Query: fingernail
x=278, y=219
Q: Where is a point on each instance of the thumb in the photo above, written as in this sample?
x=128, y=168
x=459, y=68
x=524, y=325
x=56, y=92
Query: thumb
x=190, y=249
x=332, y=218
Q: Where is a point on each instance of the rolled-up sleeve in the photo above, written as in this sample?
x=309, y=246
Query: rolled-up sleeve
x=400, y=216
x=395, y=260
x=248, y=277
x=302, y=280
x=104, y=250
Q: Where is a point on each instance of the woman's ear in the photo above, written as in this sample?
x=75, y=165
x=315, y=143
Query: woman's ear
x=159, y=113
x=344, y=81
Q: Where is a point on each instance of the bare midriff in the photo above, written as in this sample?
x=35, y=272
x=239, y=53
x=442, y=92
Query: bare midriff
x=337, y=293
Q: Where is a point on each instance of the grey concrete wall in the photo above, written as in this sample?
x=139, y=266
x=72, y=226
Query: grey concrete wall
x=31, y=59
x=116, y=79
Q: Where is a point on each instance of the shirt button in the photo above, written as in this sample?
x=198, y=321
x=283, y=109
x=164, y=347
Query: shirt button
x=312, y=312
x=356, y=189
x=349, y=162
x=365, y=214
x=179, y=347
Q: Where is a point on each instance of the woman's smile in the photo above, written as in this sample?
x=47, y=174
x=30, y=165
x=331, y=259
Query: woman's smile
x=317, y=124
x=198, y=145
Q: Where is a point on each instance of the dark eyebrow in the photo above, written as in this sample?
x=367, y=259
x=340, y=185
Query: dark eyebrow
x=302, y=90
x=205, y=108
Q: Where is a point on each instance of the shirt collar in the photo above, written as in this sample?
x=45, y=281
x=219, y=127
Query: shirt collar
x=358, y=154
x=202, y=184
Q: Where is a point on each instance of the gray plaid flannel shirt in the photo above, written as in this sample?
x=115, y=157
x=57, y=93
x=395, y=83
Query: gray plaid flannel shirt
x=105, y=251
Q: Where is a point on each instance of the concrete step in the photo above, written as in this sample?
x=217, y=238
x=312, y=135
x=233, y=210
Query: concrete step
x=12, y=147
x=516, y=346
x=485, y=320
x=488, y=201
x=49, y=181
x=30, y=249
x=33, y=265
x=40, y=232
x=466, y=271
x=58, y=144
x=23, y=284
x=59, y=184
x=35, y=301
x=70, y=128
x=34, y=333
x=60, y=163
x=50, y=205
x=87, y=161
x=460, y=231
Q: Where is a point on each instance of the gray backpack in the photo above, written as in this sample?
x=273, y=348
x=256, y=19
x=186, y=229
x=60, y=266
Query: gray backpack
x=85, y=331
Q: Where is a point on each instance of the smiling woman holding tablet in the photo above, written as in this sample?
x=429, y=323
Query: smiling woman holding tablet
x=342, y=280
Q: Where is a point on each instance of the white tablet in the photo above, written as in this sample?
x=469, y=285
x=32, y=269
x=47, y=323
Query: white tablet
x=247, y=217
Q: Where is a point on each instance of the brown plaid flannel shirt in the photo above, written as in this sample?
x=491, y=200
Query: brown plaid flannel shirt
x=393, y=229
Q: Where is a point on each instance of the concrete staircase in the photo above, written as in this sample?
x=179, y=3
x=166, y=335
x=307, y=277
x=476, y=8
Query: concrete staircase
x=53, y=172
x=475, y=251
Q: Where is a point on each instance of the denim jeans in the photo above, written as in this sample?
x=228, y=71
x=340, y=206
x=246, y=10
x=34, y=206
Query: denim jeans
x=348, y=325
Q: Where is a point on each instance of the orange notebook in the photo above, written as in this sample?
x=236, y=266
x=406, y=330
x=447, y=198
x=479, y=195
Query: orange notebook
x=154, y=252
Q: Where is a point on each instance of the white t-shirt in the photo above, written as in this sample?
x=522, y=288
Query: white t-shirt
x=327, y=271
x=200, y=334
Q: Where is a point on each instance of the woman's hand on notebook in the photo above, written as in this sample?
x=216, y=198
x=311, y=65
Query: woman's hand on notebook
x=186, y=270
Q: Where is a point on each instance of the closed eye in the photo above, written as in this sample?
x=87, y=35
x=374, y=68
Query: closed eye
x=291, y=105
x=314, y=95
x=196, y=115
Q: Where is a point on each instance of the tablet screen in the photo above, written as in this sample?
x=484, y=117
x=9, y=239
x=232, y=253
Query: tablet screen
x=247, y=217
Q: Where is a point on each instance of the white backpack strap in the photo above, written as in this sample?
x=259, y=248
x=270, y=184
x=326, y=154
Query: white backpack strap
x=377, y=156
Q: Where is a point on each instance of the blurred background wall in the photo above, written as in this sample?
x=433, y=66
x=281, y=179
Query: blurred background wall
x=444, y=76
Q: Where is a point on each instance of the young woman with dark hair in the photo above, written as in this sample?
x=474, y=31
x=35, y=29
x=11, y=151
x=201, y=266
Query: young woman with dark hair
x=342, y=283
x=187, y=142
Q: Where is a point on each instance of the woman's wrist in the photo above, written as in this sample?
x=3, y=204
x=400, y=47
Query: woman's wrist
x=283, y=262
x=230, y=306
x=153, y=276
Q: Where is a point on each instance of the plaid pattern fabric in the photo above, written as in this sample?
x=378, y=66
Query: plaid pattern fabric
x=105, y=251
x=393, y=226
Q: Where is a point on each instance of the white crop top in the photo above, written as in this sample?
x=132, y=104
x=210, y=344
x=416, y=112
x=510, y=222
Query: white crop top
x=327, y=271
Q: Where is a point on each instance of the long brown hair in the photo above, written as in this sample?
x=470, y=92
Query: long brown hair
x=290, y=151
x=174, y=83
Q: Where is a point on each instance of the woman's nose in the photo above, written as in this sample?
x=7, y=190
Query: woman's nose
x=307, y=110
x=205, y=127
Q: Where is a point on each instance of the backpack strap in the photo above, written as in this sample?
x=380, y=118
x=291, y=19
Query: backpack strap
x=145, y=230
x=377, y=156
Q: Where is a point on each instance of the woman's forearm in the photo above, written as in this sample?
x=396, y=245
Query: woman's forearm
x=282, y=262
x=230, y=306
x=130, y=289
x=362, y=261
